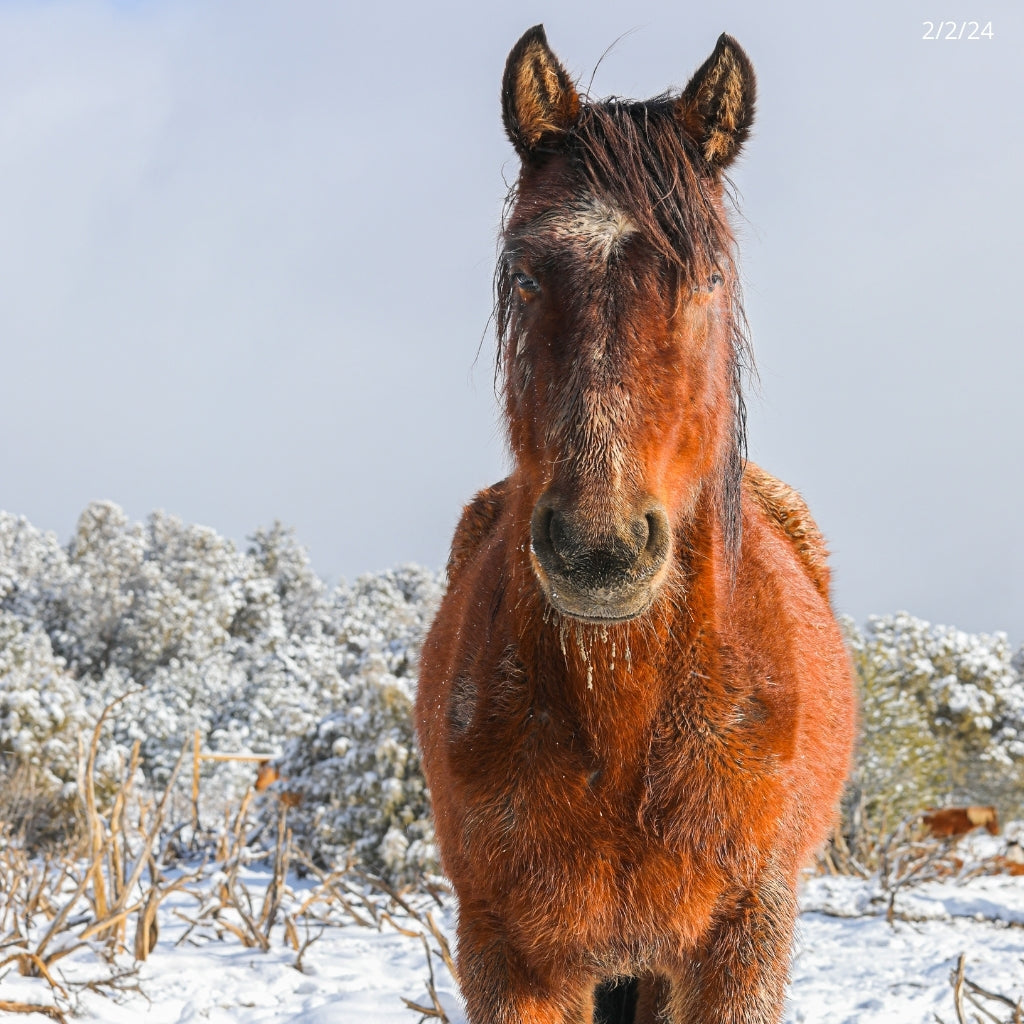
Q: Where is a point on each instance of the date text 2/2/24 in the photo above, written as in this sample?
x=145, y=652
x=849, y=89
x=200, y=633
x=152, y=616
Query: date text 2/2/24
x=957, y=30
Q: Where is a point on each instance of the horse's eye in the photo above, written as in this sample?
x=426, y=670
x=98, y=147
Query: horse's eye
x=526, y=284
x=715, y=279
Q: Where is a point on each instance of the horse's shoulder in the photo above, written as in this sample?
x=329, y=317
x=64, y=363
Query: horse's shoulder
x=475, y=524
x=788, y=512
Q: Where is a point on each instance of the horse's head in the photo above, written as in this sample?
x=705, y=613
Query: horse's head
x=619, y=331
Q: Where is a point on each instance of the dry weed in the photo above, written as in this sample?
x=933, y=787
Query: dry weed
x=106, y=893
x=984, y=1006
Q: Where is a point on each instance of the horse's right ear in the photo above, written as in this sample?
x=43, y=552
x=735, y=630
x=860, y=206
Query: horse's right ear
x=539, y=103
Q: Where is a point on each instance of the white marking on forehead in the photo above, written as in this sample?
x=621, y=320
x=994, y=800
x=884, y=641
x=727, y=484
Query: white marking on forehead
x=593, y=222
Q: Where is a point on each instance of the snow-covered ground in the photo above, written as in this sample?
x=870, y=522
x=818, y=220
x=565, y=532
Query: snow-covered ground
x=850, y=967
x=855, y=968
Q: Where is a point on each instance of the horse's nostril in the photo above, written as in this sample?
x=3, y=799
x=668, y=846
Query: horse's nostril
x=652, y=530
x=657, y=534
x=547, y=533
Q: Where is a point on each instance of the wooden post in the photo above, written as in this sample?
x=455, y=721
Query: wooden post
x=199, y=755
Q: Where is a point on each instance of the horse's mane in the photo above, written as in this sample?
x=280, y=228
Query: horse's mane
x=637, y=155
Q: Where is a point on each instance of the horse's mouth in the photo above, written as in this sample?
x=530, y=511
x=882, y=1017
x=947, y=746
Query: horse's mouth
x=601, y=620
x=603, y=607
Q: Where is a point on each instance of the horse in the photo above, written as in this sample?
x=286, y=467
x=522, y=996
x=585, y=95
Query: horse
x=953, y=822
x=635, y=708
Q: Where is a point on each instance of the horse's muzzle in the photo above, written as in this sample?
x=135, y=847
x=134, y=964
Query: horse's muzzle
x=600, y=575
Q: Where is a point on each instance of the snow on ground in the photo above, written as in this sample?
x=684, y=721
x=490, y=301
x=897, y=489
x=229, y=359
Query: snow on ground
x=850, y=965
x=861, y=970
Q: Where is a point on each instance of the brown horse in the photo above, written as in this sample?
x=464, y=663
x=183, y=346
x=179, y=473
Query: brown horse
x=635, y=707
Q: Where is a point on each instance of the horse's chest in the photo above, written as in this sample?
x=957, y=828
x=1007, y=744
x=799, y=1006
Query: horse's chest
x=538, y=779
x=569, y=843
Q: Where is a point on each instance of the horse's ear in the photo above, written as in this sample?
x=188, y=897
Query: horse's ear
x=717, y=107
x=539, y=103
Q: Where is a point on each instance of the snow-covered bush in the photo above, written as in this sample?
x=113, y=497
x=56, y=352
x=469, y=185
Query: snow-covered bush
x=942, y=718
x=249, y=647
x=42, y=711
x=43, y=721
x=357, y=772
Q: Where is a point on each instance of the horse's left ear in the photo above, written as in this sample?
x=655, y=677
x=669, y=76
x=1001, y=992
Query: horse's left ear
x=717, y=107
x=539, y=103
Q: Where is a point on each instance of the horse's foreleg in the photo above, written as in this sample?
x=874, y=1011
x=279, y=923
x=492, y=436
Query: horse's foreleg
x=501, y=987
x=738, y=974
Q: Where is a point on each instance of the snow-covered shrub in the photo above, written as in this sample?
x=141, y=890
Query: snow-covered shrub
x=942, y=718
x=176, y=612
x=42, y=711
x=357, y=771
x=43, y=719
x=249, y=647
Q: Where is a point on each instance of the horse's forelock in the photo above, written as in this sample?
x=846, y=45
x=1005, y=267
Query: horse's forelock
x=637, y=155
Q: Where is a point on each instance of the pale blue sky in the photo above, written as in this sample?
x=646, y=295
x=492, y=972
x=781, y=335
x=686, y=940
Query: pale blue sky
x=248, y=249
